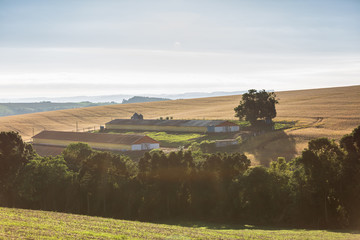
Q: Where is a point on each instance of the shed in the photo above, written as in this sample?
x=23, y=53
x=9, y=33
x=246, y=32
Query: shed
x=101, y=141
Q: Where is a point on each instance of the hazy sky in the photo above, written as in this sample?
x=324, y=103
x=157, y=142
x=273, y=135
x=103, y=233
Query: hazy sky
x=77, y=47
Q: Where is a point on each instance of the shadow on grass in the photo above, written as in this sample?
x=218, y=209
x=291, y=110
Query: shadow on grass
x=228, y=226
x=214, y=226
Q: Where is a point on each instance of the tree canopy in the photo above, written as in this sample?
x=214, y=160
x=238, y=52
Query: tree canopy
x=256, y=104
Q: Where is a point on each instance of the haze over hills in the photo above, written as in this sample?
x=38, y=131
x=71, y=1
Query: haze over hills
x=8, y=109
x=327, y=112
x=119, y=98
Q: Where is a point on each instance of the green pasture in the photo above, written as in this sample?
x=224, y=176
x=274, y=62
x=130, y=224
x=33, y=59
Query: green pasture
x=173, y=140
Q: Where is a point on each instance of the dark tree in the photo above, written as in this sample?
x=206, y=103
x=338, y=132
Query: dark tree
x=255, y=105
x=318, y=179
x=351, y=177
x=43, y=183
x=75, y=154
x=14, y=154
x=319, y=188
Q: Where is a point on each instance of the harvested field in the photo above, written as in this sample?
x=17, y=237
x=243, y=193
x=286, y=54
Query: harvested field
x=328, y=112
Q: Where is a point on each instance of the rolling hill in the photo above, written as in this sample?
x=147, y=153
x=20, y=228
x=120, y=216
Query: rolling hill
x=8, y=109
x=30, y=224
x=327, y=112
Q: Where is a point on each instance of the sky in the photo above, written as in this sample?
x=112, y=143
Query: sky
x=65, y=48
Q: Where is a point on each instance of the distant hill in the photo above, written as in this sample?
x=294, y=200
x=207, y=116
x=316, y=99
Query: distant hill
x=8, y=109
x=119, y=97
x=139, y=99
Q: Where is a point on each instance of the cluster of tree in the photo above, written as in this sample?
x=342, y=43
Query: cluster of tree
x=320, y=188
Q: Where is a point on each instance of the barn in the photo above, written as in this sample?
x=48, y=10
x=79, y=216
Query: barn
x=200, y=126
x=101, y=141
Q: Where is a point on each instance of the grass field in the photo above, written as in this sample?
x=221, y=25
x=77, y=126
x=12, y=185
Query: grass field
x=167, y=139
x=174, y=140
x=328, y=112
x=29, y=224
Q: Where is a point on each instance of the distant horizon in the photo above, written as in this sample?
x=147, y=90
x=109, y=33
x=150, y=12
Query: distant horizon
x=188, y=95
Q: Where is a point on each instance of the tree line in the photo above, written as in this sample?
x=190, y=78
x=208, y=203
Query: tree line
x=320, y=188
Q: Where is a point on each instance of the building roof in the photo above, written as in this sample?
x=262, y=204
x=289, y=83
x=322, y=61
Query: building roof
x=48, y=150
x=127, y=139
x=179, y=123
x=226, y=123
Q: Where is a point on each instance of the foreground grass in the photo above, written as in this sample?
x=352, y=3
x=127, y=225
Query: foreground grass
x=29, y=224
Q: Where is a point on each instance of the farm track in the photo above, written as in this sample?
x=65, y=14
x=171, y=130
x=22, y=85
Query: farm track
x=315, y=123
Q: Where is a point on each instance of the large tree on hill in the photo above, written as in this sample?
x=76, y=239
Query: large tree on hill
x=256, y=104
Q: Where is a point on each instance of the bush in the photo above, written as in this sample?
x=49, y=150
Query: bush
x=207, y=146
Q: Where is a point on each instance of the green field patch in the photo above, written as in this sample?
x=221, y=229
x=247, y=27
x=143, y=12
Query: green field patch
x=280, y=125
x=173, y=139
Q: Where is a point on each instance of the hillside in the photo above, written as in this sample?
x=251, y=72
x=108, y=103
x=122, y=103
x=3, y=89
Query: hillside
x=30, y=224
x=8, y=109
x=328, y=112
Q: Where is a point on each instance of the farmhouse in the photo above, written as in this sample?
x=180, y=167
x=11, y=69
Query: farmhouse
x=173, y=125
x=101, y=141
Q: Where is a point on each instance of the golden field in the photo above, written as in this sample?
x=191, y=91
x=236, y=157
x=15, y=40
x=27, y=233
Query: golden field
x=327, y=112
